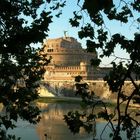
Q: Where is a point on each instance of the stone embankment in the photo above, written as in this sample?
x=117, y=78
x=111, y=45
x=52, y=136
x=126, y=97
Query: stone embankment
x=67, y=89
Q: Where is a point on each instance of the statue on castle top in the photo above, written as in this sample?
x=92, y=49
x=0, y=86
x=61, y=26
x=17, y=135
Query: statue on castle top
x=65, y=34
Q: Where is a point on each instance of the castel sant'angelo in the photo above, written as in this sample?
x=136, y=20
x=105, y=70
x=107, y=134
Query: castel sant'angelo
x=69, y=60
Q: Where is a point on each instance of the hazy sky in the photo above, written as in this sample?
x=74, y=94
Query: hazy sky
x=62, y=24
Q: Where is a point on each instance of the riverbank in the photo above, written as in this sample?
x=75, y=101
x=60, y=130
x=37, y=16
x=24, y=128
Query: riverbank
x=71, y=100
x=78, y=100
x=59, y=99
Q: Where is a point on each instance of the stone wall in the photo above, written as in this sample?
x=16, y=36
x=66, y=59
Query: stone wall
x=67, y=89
x=66, y=51
x=69, y=59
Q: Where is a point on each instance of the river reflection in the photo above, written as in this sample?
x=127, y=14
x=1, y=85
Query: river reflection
x=52, y=125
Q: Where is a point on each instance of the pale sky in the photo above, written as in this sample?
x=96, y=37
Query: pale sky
x=62, y=24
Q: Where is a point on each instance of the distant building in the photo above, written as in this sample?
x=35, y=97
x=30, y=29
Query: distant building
x=69, y=59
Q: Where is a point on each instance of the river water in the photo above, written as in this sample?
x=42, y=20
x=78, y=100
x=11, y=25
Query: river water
x=53, y=127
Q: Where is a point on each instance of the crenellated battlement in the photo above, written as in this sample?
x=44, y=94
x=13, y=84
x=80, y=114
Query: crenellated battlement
x=69, y=59
x=73, y=68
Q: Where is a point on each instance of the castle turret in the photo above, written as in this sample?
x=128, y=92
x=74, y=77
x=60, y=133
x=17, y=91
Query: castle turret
x=83, y=66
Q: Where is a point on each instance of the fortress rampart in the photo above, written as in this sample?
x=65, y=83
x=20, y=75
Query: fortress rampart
x=67, y=88
x=69, y=60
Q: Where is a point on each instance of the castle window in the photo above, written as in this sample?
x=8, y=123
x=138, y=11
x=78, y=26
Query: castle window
x=50, y=50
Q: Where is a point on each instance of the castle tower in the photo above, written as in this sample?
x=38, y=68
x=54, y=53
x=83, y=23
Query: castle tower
x=68, y=57
x=66, y=51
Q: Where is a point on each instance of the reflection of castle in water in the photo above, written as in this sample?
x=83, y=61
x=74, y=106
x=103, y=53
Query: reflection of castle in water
x=53, y=126
x=69, y=59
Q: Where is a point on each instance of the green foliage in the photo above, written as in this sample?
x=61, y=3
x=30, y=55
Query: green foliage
x=91, y=46
x=115, y=79
x=21, y=65
x=95, y=62
x=71, y=119
x=57, y=6
x=99, y=36
x=82, y=120
x=86, y=31
x=75, y=21
x=94, y=7
x=136, y=5
x=78, y=78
